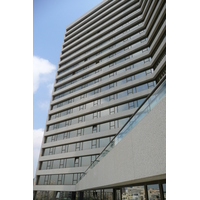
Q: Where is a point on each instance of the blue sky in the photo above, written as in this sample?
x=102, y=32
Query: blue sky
x=50, y=19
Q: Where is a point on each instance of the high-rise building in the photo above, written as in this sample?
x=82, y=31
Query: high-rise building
x=108, y=99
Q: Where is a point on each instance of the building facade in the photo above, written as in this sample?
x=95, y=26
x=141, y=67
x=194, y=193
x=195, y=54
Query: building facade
x=111, y=60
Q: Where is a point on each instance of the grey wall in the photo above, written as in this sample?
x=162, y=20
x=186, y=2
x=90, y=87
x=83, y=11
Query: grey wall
x=139, y=157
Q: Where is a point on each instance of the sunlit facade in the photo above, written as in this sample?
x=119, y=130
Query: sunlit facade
x=111, y=60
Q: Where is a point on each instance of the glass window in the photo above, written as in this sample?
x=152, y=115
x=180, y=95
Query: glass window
x=123, y=107
x=136, y=192
x=153, y=192
x=140, y=101
x=56, y=164
x=60, y=136
x=73, y=134
x=58, y=149
x=94, y=129
x=122, y=94
x=104, y=113
x=104, y=142
x=43, y=166
x=66, y=135
x=86, y=161
x=46, y=152
x=104, y=100
x=68, y=179
x=106, y=87
x=41, y=180
x=121, y=82
x=70, y=162
x=87, y=145
x=60, y=179
x=74, y=121
x=164, y=190
x=123, y=121
x=71, y=148
x=141, y=87
x=48, y=139
x=61, y=125
x=104, y=127
x=54, y=179
x=139, y=64
x=112, y=125
x=139, y=75
x=130, y=105
x=88, y=117
x=87, y=130
x=62, y=163
x=49, y=164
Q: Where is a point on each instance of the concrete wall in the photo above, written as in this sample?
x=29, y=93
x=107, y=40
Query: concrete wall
x=139, y=157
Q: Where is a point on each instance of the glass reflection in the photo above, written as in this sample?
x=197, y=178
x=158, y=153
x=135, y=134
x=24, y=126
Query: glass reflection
x=164, y=190
x=135, y=192
x=153, y=192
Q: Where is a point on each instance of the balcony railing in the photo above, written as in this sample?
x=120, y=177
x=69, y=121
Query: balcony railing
x=151, y=101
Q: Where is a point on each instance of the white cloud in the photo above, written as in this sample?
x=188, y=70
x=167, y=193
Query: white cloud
x=37, y=141
x=42, y=68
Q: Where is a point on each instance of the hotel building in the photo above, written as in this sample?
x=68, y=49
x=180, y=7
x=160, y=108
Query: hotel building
x=105, y=132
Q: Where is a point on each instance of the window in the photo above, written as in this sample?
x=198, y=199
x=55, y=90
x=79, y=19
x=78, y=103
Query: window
x=79, y=132
x=81, y=119
x=111, y=97
x=60, y=179
x=76, y=162
x=130, y=105
x=112, y=110
x=62, y=163
x=94, y=129
x=129, y=79
x=82, y=107
x=112, y=125
x=68, y=179
x=68, y=122
x=86, y=161
x=153, y=192
x=70, y=162
x=111, y=85
x=66, y=135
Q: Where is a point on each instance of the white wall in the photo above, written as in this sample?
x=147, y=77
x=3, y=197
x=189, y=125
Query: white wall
x=139, y=157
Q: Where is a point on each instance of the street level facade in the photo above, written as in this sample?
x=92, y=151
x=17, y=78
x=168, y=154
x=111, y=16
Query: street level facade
x=105, y=132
